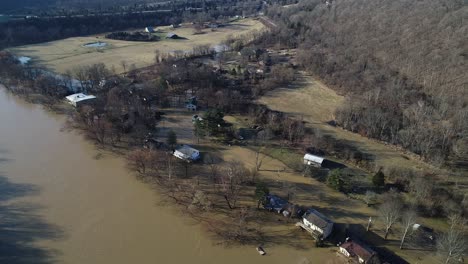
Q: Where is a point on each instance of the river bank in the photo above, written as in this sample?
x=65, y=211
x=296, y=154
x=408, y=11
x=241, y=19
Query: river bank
x=93, y=211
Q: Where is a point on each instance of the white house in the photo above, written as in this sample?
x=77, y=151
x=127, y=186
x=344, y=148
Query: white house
x=149, y=29
x=79, y=99
x=313, y=160
x=187, y=153
x=359, y=251
x=317, y=223
x=191, y=107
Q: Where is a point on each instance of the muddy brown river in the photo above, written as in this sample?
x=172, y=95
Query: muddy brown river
x=58, y=204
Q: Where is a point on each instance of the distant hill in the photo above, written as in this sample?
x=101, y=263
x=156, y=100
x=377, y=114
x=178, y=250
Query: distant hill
x=21, y=6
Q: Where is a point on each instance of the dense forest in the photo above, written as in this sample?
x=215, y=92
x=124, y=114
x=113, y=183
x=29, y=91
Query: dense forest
x=401, y=64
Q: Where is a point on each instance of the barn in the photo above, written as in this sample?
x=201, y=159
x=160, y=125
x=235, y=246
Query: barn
x=313, y=160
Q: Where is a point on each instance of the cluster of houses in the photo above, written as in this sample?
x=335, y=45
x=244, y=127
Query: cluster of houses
x=318, y=225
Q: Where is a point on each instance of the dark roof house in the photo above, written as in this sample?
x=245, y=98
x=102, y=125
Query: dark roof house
x=275, y=203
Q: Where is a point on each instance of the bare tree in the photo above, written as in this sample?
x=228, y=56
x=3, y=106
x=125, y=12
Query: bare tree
x=370, y=197
x=140, y=159
x=124, y=64
x=169, y=166
x=214, y=168
x=390, y=212
x=408, y=219
x=231, y=182
x=453, y=245
x=421, y=187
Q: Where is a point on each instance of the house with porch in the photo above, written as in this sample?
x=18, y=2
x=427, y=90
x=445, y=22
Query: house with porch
x=316, y=224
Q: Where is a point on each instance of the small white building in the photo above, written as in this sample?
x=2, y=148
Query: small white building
x=79, y=99
x=149, y=29
x=313, y=160
x=191, y=107
x=317, y=223
x=187, y=153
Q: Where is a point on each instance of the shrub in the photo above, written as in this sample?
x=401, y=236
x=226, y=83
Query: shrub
x=334, y=180
x=378, y=179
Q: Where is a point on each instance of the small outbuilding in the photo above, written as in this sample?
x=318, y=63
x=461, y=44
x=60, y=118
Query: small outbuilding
x=359, y=251
x=313, y=160
x=80, y=99
x=316, y=223
x=149, y=29
x=187, y=153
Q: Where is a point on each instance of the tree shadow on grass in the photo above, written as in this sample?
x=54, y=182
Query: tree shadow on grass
x=21, y=226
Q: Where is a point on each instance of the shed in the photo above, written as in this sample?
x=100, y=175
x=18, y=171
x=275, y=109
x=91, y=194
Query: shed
x=79, y=99
x=187, y=153
x=172, y=35
x=313, y=160
x=149, y=29
x=360, y=251
x=317, y=222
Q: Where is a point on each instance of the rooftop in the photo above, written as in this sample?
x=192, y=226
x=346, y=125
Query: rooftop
x=187, y=150
x=75, y=98
x=316, y=218
x=313, y=158
x=357, y=249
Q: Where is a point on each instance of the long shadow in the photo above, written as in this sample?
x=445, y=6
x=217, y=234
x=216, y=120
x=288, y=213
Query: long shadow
x=21, y=226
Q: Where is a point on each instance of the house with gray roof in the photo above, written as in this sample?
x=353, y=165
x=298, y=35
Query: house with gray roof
x=316, y=223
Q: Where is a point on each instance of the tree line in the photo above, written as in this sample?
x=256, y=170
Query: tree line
x=405, y=81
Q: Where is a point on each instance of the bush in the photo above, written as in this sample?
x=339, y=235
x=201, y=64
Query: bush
x=379, y=179
x=334, y=180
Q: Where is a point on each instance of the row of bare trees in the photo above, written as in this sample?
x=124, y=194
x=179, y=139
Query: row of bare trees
x=451, y=244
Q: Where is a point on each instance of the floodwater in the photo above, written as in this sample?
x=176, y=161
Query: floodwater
x=59, y=204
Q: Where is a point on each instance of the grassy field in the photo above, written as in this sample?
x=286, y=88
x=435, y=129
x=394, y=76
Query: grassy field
x=63, y=55
x=344, y=210
x=311, y=100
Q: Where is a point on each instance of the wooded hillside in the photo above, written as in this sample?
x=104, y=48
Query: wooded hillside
x=402, y=65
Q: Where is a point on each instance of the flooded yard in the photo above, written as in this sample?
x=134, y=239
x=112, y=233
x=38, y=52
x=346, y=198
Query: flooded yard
x=60, y=203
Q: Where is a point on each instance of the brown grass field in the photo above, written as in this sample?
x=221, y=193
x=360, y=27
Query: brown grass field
x=313, y=101
x=63, y=55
